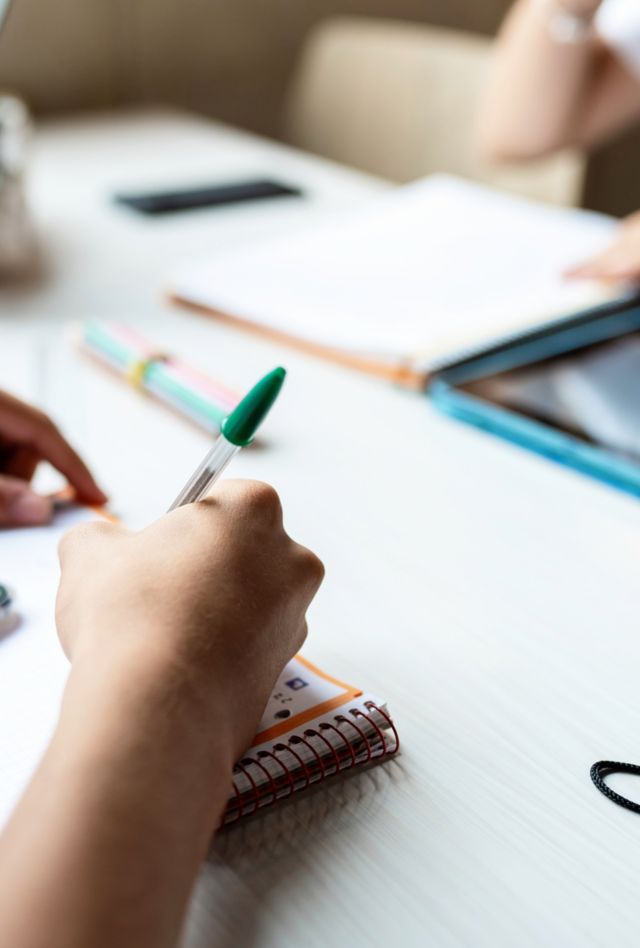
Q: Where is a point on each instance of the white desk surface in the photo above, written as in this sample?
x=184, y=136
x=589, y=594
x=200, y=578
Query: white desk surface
x=491, y=596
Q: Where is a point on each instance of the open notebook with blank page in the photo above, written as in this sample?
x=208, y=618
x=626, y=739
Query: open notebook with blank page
x=313, y=727
x=416, y=279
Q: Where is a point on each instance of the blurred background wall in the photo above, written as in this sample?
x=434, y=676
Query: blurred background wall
x=231, y=59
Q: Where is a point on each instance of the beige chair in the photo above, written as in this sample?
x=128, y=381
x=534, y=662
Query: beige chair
x=399, y=100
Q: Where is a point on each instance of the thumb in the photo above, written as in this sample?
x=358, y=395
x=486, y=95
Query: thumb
x=20, y=506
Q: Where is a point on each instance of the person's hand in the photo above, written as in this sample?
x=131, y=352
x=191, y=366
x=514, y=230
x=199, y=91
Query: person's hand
x=212, y=595
x=27, y=436
x=620, y=261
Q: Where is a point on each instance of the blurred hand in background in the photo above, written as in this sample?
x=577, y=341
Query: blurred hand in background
x=28, y=436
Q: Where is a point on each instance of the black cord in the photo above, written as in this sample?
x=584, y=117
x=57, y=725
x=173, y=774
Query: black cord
x=604, y=768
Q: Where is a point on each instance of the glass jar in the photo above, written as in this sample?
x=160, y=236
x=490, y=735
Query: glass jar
x=16, y=234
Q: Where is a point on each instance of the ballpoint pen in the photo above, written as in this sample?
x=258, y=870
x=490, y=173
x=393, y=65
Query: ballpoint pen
x=236, y=431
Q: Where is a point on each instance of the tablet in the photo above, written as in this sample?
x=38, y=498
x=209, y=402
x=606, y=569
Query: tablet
x=580, y=408
x=593, y=394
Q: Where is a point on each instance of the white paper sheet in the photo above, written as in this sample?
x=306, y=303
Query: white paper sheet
x=434, y=267
x=33, y=668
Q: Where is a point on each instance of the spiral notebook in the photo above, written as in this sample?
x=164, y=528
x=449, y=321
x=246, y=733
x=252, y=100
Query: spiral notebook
x=313, y=727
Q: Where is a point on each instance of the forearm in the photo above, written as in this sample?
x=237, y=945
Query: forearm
x=104, y=848
x=176, y=635
x=538, y=88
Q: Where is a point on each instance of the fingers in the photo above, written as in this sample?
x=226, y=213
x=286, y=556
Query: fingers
x=20, y=462
x=620, y=261
x=311, y=568
x=301, y=639
x=257, y=501
x=20, y=506
x=238, y=509
x=33, y=430
x=239, y=506
x=607, y=267
x=52, y=447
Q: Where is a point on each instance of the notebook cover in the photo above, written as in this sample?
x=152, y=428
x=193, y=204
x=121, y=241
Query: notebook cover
x=406, y=375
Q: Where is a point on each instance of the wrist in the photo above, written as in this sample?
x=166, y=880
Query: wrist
x=135, y=681
x=141, y=660
x=143, y=718
x=133, y=686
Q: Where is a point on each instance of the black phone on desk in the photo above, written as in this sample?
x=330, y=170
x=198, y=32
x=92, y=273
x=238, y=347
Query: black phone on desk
x=217, y=195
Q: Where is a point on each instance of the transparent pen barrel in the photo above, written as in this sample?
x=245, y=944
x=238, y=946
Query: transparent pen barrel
x=211, y=468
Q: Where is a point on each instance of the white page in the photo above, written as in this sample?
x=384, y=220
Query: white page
x=23, y=357
x=299, y=691
x=33, y=668
x=435, y=266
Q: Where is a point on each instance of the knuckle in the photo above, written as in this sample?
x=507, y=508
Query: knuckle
x=260, y=498
x=311, y=565
x=302, y=635
x=83, y=536
x=248, y=500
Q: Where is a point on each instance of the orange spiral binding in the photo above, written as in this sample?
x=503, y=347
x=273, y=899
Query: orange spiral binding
x=301, y=774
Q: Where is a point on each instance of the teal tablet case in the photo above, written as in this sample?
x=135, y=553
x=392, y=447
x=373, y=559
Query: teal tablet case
x=584, y=329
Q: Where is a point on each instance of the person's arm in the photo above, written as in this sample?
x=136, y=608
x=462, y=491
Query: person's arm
x=176, y=637
x=543, y=94
x=27, y=436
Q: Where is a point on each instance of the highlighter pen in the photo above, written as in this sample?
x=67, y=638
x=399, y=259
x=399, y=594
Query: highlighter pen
x=236, y=431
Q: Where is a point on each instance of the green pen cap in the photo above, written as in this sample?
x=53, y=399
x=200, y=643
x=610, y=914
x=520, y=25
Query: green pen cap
x=241, y=425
